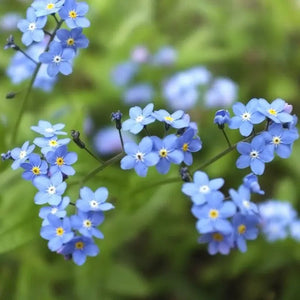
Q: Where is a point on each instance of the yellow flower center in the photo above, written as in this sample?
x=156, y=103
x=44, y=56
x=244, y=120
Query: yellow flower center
x=213, y=213
x=242, y=229
x=79, y=245
x=276, y=140
x=59, y=231
x=59, y=161
x=169, y=118
x=185, y=147
x=52, y=143
x=218, y=237
x=49, y=6
x=272, y=112
x=163, y=152
x=70, y=42
x=72, y=14
x=36, y=170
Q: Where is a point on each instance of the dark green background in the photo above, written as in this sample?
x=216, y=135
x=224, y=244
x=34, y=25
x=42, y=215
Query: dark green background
x=150, y=250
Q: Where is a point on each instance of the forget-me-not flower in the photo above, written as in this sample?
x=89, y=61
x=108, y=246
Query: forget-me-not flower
x=73, y=38
x=35, y=167
x=20, y=155
x=176, y=120
x=48, y=130
x=47, y=7
x=50, y=143
x=217, y=242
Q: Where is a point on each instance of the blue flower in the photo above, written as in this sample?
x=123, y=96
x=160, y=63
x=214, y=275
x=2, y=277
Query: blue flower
x=222, y=117
x=58, y=232
x=50, y=189
x=139, y=157
x=275, y=111
x=250, y=181
x=281, y=139
x=167, y=152
x=58, y=59
x=9, y=21
x=61, y=159
x=212, y=216
x=245, y=228
x=47, y=7
x=241, y=198
x=165, y=56
x=254, y=154
x=73, y=14
x=93, y=201
x=20, y=155
x=139, y=93
x=50, y=143
x=86, y=222
x=73, y=39
x=35, y=167
x=57, y=210
x=32, y=27
x=295, y=230
x=138, y=118
x=221, y=94
x=79, y=248
x=202, y=188
x=122, y=74
x=246, y=116
x=48, y=130
x=217, y=242
x=140, y=54
x=188, y=143
x=176, y=120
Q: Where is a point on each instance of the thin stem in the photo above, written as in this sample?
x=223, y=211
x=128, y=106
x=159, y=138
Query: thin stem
x=54, y=16
x=226, y=137
x=94, y=156
x=25, y=54
x=26, y=97
x=121, y=139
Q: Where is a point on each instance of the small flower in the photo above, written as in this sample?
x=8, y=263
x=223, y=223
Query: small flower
x=48, y=130
x=295, y=230
x=10, y=43
x=213, y=215
x=57, y=210
x=138, y=93
x=241, y=198
x=6, y=156
x=50, y=143
x=165, y=56
x=58, y=232
x=93, y=201
x=79, y=248
x=58, y=59
x=167, y=152
x=245, y=228
x=117, y=116
x=222, y=117
x=50, y=189
x=250, y=181
x=61, y=160
x=35, y=167
x=20, y=155
x=73, y=14
x=217, y=242
x=47, y=7
x=275, y=111
x=202, y=188
x=86, y=222
x=73, y=39
x=246, y=116
x=138, y=118
x=176, y=120
x=188, y=143
x=122, y=74
x=32, y=27
x=254, y=154
x=140, y=54
x=139, y=157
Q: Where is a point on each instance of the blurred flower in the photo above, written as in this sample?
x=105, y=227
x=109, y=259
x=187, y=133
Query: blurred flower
x=165, y=56
x=9, y=21
x=140, y=54
x=139, y=93
x=122, y=74
x=295, y=230
x=217, y=242
x=221, y=94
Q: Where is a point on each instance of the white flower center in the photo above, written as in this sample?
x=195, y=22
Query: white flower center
x=57, y=59
x=54, y=210
x=31, y=26
x=246, y=116
x=93, y=204
x=49, y=129
x=254, y=154
x=87, y=223
x=139, y=156
x=246, y=203
x=276, y=140
x=204, y=189
x=51, y=190
x=139, y=118
x=22, y=154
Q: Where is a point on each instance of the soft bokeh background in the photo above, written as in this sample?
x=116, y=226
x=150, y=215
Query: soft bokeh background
x=150, y=250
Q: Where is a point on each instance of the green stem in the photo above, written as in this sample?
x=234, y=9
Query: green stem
x=121, y=139
x=226, y=137
x=26, y=97
x=94, y=156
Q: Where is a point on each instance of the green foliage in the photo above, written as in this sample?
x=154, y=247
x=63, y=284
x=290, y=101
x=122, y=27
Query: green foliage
x=150, y=249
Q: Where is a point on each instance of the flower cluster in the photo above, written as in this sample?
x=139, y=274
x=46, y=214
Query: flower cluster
x=48, y=171
x=181, y=91
x=174, y=148
x=58, y=48
x=223, y=224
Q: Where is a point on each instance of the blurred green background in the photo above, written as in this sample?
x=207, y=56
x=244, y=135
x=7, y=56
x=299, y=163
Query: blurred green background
x=150, y=250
